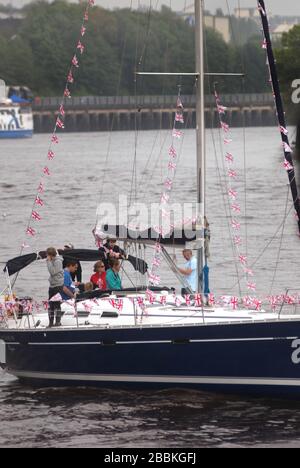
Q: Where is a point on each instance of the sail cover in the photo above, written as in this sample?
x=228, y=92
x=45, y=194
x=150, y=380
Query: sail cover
x=82, y=255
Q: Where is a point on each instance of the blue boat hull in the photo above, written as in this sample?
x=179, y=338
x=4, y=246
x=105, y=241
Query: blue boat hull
x=16, y=133
x=252, y=358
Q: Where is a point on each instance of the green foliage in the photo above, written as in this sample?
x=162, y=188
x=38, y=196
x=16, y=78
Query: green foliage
x=118, y=43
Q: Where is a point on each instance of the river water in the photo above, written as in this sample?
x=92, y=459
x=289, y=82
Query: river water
x=97, y=167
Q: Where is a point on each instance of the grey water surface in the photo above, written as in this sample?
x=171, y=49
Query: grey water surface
x=97, y=167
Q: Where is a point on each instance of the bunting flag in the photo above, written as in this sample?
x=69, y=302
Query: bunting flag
x=232, y=178
x=35, y=216
x=164, y=228
x=195, y=302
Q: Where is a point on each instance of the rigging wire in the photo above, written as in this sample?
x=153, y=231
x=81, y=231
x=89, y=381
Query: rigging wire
x=265, y=249
x=281, y=241
x=228, y=213
x=104, y=171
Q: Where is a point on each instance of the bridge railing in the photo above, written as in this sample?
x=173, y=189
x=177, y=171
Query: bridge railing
x=152, y=102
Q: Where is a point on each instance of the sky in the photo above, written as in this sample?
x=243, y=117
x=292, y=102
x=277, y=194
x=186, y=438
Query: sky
x=280, y=7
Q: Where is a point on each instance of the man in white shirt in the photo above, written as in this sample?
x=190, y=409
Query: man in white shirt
x=190, y=270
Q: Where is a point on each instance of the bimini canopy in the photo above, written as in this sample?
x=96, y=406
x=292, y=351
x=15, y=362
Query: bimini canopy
x=81, y=255
x=178, y=237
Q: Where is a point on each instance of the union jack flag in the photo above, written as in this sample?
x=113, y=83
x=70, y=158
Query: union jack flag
x=67, y=93
x=70, y=77
x=117, y=304
x=237, y=240
x=225, y=127
x=51, y=155
x=169, y=184
x=287, y=165
x=83, y=31
x=187, y=300
x=62, y=110
x=243, y=259
x=229, y=158
x=36, y=216
x=257, y=303
x=234, y=302
x=59, y=123
x=41, y=188
x=235, y=225
x=251, y=286
x=54, y=139
x=236, y=207
x=198, y=300
x=91, y=2
x=232, y=193
x=39, y=201
x=172, y=152
x=75, y=61
x=154, y=279
x=30, y=232
x=163, y=300
x=179, y=117
x=86, y=16
x=150, y=296
x=177, y=134
x=81, y=47
x=156, y=262
x=232, y=174
x=211, y=300
x=46, y=171
x=227, y=141
x=172, y=166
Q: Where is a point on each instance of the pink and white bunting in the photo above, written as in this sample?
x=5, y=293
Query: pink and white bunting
x=165, y=227
x=233, y=195
x=59, y=124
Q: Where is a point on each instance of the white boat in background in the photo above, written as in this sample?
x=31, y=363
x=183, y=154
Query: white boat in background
x=16, y=119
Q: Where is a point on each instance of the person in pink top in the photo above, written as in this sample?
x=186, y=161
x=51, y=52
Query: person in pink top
x=99, y=277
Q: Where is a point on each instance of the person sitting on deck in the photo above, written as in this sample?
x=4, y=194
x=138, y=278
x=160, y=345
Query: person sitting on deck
x=113, y=279
x=99, y=277
x=69, y=287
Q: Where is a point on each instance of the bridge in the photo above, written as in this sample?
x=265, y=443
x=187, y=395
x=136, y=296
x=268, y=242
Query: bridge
x=98, y=113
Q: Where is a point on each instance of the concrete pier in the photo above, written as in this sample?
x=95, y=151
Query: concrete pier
x=97, y=114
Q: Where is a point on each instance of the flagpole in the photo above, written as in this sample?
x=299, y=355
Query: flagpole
x=200, y=130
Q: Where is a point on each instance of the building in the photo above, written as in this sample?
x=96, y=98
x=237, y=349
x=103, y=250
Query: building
x=281, y=29
x=246, y=13
x=220, y=24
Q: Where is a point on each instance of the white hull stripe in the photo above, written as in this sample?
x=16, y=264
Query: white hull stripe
x=97, y=343
x=158, y=379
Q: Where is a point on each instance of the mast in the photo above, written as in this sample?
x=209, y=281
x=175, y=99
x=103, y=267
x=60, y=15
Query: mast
x=280, y=109
x=200, y=113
